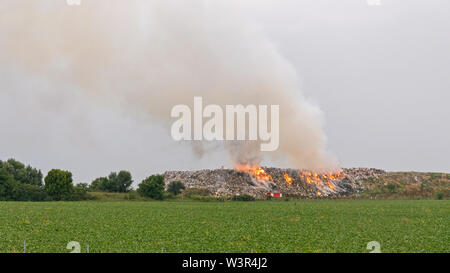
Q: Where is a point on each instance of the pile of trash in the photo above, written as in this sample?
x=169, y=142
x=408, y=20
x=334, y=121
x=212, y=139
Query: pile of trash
x=288, y=182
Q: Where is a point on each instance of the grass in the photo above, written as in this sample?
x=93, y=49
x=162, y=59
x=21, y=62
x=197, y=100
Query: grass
x=264, y=226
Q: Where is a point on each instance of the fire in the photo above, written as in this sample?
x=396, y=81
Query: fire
x=324, y=179
x=287, y=178
x=321, y=180
x=331, y=186
x=257, y=172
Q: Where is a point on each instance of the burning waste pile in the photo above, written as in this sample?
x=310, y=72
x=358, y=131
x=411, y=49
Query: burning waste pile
x=259, y=182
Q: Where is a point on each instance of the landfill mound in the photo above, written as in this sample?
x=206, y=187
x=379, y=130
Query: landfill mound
x=288, y=182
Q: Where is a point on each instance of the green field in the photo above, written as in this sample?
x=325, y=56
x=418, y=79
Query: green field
x=264, y=226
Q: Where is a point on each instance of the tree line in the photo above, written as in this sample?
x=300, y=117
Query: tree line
x=25, y=183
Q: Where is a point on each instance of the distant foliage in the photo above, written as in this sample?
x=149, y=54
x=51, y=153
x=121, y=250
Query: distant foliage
x=20, y=183
x=80, y=192
x=58, y=184
x=152, y=187
x=120, y=182
x=7, y=185
x=175, y=187
x=123, y=181
x=21, y=173
x=99, y=184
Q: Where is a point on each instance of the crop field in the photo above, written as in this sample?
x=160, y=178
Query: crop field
x=261, y=226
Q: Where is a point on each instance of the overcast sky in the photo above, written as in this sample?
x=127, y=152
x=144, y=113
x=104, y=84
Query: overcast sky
x=380, y=74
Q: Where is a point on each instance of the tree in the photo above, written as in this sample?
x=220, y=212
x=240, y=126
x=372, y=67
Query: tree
x=99, y=184
x=123, y=181
x=21, y=173
x=120, y=182
x=152, y=187
x=6, y=185
x=12, y=190
x=175, y=187
x=58, y=184
x=111, y=186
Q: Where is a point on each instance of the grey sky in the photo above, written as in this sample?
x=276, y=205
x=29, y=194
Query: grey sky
x=380, y=74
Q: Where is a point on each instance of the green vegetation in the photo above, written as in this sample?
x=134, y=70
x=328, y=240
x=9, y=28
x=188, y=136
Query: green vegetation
x=408, y=185
x=295, y=226
x=120, y=182
x=24, y=183
x=21, y=173
x=152, y=187
x=175, y=187
x=58, y=184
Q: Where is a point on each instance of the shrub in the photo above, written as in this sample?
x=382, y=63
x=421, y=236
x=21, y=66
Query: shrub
x=244, y=197
x=440, y=196
x=27, y=192
x=79, y=192
x=169, y=195
x=58, y=184
x=175, y=187
x=152, y=187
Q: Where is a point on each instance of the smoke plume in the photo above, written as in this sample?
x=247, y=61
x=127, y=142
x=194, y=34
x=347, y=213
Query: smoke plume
x=147, y=56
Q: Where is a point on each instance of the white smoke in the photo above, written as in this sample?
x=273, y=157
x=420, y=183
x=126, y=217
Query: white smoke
x=147, y=56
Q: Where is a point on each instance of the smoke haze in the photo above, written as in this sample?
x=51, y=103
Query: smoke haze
x=89, y=88
x=144, y=57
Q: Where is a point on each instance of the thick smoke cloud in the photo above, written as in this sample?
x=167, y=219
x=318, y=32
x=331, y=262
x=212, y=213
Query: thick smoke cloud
x=144, y=57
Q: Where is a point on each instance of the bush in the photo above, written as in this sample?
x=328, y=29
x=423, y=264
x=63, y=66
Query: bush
x=152, y=187
x=175, y=187
x=169, y=195
x=440, y=196
x=58, y=184
x=244, y=197
x=79, y=192
x=27, y=192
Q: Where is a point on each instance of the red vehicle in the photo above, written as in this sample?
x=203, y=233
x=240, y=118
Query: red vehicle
x=274, y=194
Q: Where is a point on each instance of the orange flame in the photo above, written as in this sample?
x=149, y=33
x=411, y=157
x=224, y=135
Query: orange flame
x=324, y=179
x=287, y=178
x=257, y=172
